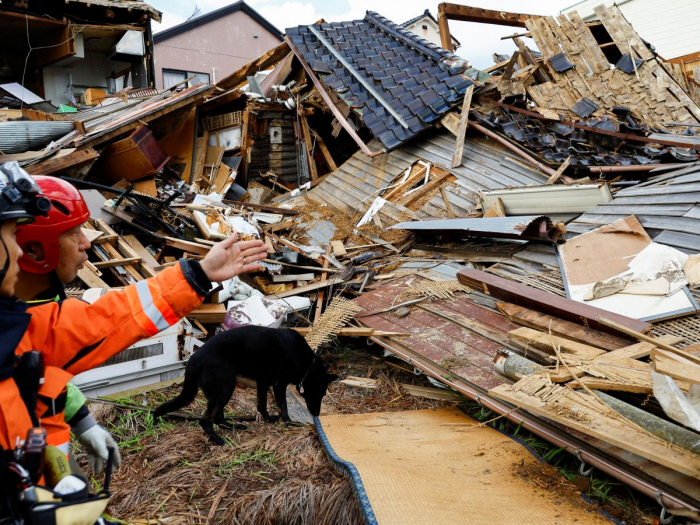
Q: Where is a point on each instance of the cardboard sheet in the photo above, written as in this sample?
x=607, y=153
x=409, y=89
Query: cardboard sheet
x=618, y=268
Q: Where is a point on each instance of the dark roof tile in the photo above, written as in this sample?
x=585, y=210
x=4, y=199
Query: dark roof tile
x=405, y=71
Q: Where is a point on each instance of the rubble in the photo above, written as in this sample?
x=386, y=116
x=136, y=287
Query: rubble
x=375, y=166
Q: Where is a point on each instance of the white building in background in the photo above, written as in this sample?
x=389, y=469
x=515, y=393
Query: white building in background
x=671, y=26
x=426, y=26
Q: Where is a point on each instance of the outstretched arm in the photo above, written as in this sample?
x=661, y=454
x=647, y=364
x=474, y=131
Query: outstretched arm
x=78, y=336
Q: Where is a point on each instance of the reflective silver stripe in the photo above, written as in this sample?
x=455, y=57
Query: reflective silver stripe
x=144, y=293
x=64, y=447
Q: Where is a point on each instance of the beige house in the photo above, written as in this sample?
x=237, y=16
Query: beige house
x=426, y=26
x=212, y=46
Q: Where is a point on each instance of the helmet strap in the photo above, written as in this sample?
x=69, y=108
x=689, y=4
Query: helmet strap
x=6, y=267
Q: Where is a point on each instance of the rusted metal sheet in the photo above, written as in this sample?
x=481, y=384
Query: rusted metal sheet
x=535, y=227
x=441, y=334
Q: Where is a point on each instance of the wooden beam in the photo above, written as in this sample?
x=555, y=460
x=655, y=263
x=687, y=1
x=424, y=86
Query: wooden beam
x=56, y=164
x=324, y=150
x=676, y=367
x=463, y=124
x=117, y=262
x=309, y=143
x=407, y=184
x=560, y=171
x=561, y=307
x=209, y=313
x=608, y=321
x=440, y=176
x=355, y=331
x=191, y=247
x=261, y=207
x=562, y=328
x=327, y=99
x=308, y=288
x=527, y=337
x=444, y=28
x=322, y=293
x=448, y=206
x=266, y=61
x=594, y=420
x=485, y=16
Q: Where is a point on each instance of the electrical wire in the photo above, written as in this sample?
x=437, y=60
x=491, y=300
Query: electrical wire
x=29, y=43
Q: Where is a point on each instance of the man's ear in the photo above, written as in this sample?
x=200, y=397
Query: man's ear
x=34, y=250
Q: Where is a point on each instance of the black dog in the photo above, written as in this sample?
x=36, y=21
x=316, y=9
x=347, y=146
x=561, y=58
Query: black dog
x=273, y=357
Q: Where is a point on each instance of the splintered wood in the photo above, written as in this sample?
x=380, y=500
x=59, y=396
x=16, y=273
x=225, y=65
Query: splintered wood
x=649, y=90
x=339, y=312
x=588, y=414
x=439, y=289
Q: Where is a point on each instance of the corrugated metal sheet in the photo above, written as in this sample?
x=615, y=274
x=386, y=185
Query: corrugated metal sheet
x=533, y=227
x=668, y=207
x=20, y=136
x=486, y=165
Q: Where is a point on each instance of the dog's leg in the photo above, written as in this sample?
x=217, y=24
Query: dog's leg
x=218, y=387
x=280, y=391
x=262, y=402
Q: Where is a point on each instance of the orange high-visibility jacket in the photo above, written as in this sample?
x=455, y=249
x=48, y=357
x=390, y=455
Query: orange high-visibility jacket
x=75, y=336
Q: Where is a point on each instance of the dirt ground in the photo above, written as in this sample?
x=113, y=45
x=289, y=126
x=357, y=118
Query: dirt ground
x=270, y=473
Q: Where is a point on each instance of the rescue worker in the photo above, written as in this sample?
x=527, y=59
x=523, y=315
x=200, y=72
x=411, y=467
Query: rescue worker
x=74, y=336
x=54, y=250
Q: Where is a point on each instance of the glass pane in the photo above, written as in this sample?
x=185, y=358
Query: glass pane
x=170, y=78
x=199, y=77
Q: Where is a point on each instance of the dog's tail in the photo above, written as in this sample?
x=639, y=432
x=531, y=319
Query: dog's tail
x=189, y=392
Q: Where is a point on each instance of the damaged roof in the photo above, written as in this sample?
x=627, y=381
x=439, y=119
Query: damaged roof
x=668, y=207
x=130, y=5
x=398, y=83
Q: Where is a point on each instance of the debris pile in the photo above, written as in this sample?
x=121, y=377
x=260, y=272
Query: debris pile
x=524, y=234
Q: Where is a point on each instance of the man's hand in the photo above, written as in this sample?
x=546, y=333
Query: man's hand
x=229, y=258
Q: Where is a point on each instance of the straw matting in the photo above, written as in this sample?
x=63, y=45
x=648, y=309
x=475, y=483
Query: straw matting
x=440, y=466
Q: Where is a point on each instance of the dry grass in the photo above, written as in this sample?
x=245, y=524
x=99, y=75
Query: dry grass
x=268, y=474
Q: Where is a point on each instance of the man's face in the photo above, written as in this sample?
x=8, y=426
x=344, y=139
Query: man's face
x=72, y=246
x=8, y=229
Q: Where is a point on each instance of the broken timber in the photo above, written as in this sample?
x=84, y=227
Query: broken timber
x=561, y=307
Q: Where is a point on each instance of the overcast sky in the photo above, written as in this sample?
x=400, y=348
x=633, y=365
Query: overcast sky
x=479, y=41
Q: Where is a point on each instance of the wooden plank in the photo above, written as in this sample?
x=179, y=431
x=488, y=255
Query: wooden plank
x=141, y=250
x=653, y=340
x=338, y=248
x=322, y=293
x=359, y=331
x=58, y=164
x=413, y=177
x=484, y=16
x=324, y=151
x=562, y=328
x=533, y=338
x=463, y=124
x=304, y=289
x=448, y=206
x=603, y=424
x=278, y=226
x=117, y=262
x=560, y=171
x=91, y=279
x=261, y=63
x=209, y=313
x=676, y=367
x=441, y=175
x=548, y=303
x=625, y=356
x=191, y=247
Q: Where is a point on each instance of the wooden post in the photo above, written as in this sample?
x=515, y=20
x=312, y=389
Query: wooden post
x=462, y=131
x=309, y=144
x=322, y=293
x=444, y=28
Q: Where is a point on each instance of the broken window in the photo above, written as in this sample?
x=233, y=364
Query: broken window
x=173, y=76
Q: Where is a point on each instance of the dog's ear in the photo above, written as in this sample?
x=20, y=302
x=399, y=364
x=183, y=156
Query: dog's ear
x=326, y=366
x=331, y=377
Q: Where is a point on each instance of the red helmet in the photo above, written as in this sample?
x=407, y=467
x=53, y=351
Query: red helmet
x=68, y=210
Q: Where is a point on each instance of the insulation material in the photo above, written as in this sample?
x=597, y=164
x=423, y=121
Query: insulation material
x=441, y=466
x=619, y=269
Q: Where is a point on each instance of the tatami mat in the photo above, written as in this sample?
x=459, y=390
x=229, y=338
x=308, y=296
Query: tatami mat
x=439, y=466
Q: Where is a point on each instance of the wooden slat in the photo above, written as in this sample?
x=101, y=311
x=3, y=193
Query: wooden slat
x=562, y=328
x=606, y=426
x=463, y=124
x=551, y=304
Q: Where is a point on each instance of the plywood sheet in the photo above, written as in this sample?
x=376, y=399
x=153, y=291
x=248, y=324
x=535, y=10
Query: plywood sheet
x=440, y=466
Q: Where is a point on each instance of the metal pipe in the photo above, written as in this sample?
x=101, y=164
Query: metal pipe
x=537, y=427
x=621, y=169
x=546, y=169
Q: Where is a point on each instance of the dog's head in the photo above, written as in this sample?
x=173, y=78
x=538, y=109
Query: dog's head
x=315, y=387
